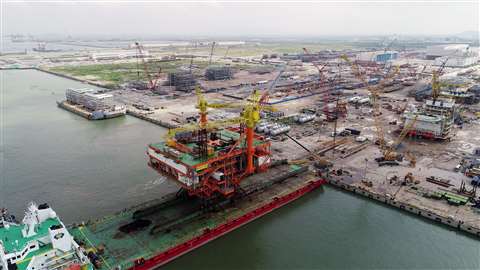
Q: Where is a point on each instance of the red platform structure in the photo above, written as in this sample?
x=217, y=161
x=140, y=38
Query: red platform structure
x=212, y=158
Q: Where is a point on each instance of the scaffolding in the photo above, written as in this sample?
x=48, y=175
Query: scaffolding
x=182, y=80
x=218, y=72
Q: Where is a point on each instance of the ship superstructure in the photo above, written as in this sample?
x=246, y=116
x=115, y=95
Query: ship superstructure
x=40, y=242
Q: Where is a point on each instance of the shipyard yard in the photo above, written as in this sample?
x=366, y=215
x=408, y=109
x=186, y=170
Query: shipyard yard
x=332, y=152
x=327, y=218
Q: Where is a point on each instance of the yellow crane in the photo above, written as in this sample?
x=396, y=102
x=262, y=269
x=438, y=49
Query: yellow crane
x=375, y=94
x=437, y=84
x=388, y=152
x=249, y=116
x=203, y=105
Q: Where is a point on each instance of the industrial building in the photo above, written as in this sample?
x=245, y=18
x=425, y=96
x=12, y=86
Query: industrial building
x=466, y=60
x=436, y=51
x=378, y=56
x=454, y=55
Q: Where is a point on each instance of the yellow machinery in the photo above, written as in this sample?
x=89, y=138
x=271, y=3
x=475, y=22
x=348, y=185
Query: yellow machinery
x=411, y=158
x=249, y=117
x=254, y=98
x=388, y=152
x=437, y=85
x=375, y=94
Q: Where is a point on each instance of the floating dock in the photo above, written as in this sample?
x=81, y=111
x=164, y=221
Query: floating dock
x=148, y=237
x=80, y=110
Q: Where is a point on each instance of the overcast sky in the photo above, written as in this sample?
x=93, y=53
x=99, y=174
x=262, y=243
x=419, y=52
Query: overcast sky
x=224, y=18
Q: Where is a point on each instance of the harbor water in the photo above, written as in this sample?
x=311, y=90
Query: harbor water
x=88, y=169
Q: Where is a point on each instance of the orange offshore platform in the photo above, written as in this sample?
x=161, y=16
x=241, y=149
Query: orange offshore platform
x=227, y=179
x=209, y=160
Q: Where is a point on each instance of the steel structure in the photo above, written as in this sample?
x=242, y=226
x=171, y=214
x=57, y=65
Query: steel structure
x=212, y=158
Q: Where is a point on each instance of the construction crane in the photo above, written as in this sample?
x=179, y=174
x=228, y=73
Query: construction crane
x=389, y=154
x=211, y=125
x=203, y=106
x=436, y=84
x=247, y=148
x=191, y=58
x=375, y=94
x=322, y=77
x=322, y=81
x=322, y=162
x=411, y=158
x=226, y=53
x=151, y=81
x=265, y=96
x=211, y=53
x=389, y=45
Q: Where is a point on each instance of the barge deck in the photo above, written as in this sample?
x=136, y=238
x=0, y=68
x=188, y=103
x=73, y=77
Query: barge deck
x=142, y=238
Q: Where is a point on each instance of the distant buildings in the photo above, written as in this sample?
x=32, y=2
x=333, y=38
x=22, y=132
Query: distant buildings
x=455, y=55
x=112, y=55
x=378, y=56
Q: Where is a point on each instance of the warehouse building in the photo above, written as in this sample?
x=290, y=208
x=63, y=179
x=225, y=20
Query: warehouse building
x=455, y=55
x=378, y=56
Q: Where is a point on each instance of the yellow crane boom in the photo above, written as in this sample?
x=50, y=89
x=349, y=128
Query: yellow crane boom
x=374, y=92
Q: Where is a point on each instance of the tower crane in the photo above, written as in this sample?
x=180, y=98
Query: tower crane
x=211, y=53
x=152, y=81
x=191, y=58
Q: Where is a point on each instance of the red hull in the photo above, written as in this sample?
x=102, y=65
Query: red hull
x=209, y=235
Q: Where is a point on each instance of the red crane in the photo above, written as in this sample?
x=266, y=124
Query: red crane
x=152, y=81
x=326, y=92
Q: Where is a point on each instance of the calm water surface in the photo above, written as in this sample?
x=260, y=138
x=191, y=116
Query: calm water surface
x=88, y=169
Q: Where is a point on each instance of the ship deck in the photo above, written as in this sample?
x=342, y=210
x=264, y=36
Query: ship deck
x=224, y=134
x=178, y=222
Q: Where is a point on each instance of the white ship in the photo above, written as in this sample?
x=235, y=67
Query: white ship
x=40, y=242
